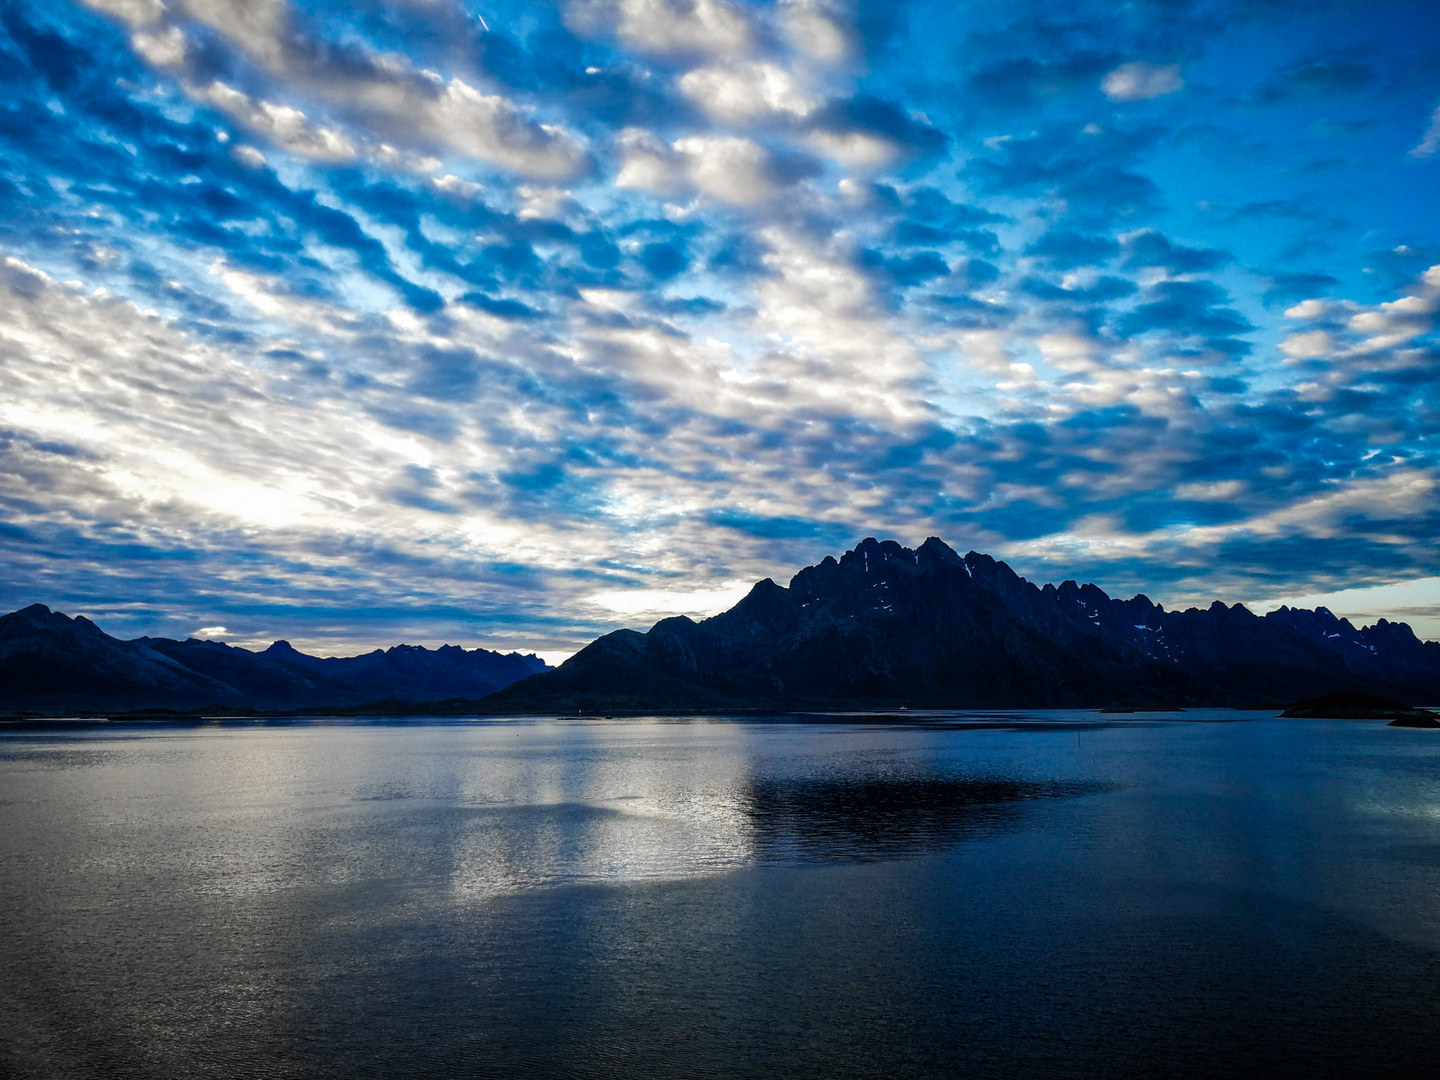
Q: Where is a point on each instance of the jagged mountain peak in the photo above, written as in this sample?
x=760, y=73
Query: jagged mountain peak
x=765, y=587
x=882, y=625
x=877, y=552
x=885, y=625
x=936, y=549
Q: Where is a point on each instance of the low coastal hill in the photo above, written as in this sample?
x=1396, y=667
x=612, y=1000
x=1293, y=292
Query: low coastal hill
x=885, y=626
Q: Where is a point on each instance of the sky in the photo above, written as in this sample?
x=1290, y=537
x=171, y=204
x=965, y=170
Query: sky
x=510, y=324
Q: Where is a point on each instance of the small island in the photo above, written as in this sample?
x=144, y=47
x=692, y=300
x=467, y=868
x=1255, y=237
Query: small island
x=1352, y=705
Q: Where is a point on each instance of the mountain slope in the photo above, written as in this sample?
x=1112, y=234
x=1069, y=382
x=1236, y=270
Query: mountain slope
x=425, y=674
x=885, y=626
x=51, y=663
x=882, y=626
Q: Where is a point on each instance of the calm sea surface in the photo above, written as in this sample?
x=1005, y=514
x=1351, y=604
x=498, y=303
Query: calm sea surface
x=1029, y=895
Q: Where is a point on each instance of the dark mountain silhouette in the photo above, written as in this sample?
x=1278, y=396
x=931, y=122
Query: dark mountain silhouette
x=882, y=627
x=887, y=626
x=51, y=663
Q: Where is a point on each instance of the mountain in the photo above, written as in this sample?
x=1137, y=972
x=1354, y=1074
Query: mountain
x=886, y=626
x=51, y=663
x=883, y=626
x=447, y=672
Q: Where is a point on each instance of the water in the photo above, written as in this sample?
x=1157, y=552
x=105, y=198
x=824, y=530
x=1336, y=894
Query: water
x=1046, y=895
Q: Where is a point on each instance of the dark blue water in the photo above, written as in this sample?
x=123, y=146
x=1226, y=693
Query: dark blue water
x=1052, y=897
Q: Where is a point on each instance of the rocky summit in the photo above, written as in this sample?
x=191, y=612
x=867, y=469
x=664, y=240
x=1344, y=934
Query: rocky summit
x=886, y=626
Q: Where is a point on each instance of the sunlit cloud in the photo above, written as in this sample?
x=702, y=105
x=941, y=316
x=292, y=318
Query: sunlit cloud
x=1139, y=81
x=666, y=26
x=699, y=603
x=508, y=328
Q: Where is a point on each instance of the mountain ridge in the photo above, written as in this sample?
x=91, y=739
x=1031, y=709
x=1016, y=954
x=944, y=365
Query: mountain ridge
x=50, y=663
x=885, y=626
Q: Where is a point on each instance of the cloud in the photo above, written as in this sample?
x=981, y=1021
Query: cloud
x=1430, y=141
x=248, y=156
x=285, y=127
x=816, y=29
x=865, y=132
x=741, y=92
x=665, y=27
x=906, y=272
x=1065, y=249
x=134, y=12
x=1187, y=308
x=488, y=127
x=1094, y=178
x=1379, y=336
x=1312, y=343
x=1319, y=78
x=1150, y=247
x=1139, y=81
x=648, y=164
x=263, y=28
x=381, y=97
x=729, y=169
x=262, y=464
x=166, y=50
x=333, y=310
x=698, y=603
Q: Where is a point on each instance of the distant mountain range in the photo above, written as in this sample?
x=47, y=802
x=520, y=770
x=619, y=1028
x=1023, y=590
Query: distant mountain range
x=882, y=627
x=50, y=663
x=886, y=626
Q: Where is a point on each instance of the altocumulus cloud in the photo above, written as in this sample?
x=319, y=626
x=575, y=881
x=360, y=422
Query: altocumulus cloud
x=504, y=324
x=1138, y=81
